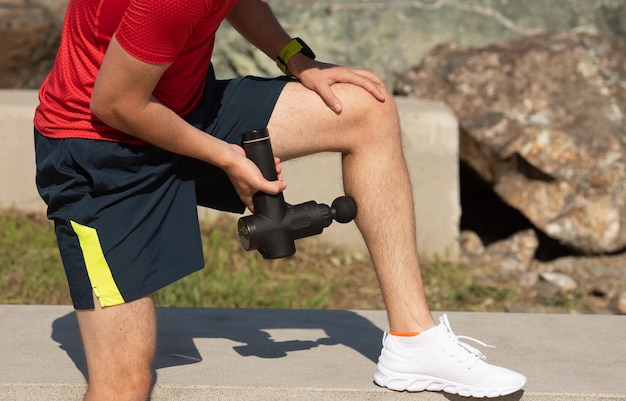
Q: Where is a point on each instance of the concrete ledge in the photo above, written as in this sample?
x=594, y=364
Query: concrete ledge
x=261, y=354
x=17, y=157
x=431, y=149
x=430, y=140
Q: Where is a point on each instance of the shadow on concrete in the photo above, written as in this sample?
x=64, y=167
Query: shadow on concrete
x=65, y=332
x=178, y=327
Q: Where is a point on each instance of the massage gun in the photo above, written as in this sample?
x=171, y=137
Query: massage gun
x=275, y=224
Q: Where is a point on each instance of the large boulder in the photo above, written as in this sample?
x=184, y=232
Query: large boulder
x=29, y=36
x=543, y=120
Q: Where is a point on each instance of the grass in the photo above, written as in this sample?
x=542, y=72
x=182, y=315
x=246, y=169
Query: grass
x=31, y=272
x=319, y=276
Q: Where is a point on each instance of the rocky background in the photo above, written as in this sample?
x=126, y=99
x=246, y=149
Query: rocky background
x=539, y=88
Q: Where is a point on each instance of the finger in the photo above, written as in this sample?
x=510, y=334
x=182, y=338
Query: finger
x=329, y=98
x=361, y=78
x=268, y=187
x=369, y=75
x=279, y=167
x=275, y=187
x=369, y=82
x=249, y=205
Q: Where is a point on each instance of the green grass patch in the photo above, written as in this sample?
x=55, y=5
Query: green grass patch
x=452, y=287
x=31, y=272
x=319, y=276
x=30, y=267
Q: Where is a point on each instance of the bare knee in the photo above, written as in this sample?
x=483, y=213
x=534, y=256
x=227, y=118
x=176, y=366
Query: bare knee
x=302, y=124
x=379, y=121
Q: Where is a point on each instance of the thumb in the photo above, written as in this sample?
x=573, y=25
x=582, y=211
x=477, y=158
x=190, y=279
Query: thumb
x=273, y=187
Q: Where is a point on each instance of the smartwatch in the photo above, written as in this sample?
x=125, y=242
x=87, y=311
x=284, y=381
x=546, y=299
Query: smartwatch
x=295, y=46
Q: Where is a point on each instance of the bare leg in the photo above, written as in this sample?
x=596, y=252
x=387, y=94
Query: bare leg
x=367, y=133
x=120, y=343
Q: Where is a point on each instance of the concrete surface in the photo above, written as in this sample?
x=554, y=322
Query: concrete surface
x=431, y=149
x=262, y=354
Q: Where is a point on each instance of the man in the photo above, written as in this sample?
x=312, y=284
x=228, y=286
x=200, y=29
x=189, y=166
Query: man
x=133, y=131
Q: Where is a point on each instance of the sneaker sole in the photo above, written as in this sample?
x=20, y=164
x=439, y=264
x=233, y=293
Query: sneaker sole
x=425, y=383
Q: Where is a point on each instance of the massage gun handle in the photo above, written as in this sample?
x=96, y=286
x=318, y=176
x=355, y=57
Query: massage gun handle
x=258, y=148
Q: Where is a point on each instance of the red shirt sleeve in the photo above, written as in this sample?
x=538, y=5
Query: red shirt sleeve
x=156, y=31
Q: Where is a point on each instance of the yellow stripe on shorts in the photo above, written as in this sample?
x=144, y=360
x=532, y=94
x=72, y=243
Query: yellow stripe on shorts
x=98, y=269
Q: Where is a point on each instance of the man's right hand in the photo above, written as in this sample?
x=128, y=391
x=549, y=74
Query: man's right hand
x=248, y=179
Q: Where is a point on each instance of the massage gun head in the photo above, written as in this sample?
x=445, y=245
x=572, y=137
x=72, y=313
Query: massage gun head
x=274, y=237
x=343, y=209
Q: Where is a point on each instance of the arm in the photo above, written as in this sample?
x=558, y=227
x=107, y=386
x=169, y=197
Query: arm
x=256, y=22
x=122, y=98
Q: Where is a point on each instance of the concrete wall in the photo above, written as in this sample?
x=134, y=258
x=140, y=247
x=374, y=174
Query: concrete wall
x=431, y=149
x=17, y=159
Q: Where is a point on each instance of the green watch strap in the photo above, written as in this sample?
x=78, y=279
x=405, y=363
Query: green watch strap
x=295, y=46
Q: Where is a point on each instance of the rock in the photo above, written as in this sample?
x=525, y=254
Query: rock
x=543, y=121
x=562, y=282
x=471, y=245
x=508, y=259
x=618, y=305
x=29, y=35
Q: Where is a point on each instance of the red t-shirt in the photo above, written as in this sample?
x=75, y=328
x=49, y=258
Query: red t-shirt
x=181, y=32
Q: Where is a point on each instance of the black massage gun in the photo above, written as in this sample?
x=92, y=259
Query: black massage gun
x=275, y=224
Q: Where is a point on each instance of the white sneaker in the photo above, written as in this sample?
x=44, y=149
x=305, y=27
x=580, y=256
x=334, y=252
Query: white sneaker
x=436, y=360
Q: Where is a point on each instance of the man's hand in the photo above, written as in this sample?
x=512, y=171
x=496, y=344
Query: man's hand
x=319, y=77
x=248, y=180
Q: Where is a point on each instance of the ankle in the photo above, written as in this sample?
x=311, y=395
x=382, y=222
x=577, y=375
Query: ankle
x=414, y=327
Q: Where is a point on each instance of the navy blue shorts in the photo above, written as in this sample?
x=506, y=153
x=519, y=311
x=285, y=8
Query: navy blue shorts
x=126, y=216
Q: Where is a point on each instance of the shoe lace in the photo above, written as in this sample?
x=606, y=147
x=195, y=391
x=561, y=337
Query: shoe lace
x=469, y=351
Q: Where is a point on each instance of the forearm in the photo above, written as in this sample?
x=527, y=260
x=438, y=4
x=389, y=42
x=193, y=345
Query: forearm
x=122, y=98
x=158, y=125
x=256, y=22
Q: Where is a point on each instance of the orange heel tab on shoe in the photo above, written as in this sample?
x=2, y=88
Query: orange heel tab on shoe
x=404, y=333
